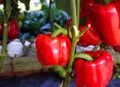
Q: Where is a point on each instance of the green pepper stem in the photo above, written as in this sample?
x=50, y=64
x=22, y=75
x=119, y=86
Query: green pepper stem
x=58, y=32
x=83, y=56
x=57, y=25
x=84, y=30
x=78, y=12
x=106, y=1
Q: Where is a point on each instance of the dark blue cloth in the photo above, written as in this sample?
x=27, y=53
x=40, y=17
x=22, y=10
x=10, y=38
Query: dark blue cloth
x=114, y=83
x=43, y=80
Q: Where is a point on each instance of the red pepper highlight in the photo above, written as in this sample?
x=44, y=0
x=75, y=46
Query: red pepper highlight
x=106, y=21
x=13, y=29
x=86, y=5
x=90, y=37
x=95, y=73
x=1, y=1
x=53, y=50
x=116, y=48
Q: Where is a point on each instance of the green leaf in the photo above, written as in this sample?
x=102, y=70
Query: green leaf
x=42, y=1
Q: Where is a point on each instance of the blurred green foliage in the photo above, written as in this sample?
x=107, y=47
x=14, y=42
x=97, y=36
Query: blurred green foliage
x=37, y=22
x=32, y=23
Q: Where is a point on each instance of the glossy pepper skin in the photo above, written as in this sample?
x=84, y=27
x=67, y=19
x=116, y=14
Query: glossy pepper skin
x=1, y=28
x=1, y=1
x=86, y=5
x=116, y=48
x=106, y=20
x=53, y=50
x=13, y=29
x=90, y=37
x=95, y=73
x=117, y=1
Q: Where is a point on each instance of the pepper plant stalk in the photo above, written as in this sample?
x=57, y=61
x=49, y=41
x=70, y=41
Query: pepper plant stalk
x=69, y=67
x=78, y=12
x=50, y=15
x=74, y=42
x=4, y=43
x=3, y=54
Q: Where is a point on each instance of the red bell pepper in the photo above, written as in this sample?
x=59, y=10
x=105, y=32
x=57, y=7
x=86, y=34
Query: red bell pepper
x=106, y=20
x=1, y=28
x=13, y=29
x=117, y=1
x=116, y=48
x=53, y=50
x=1, y=1
x=90, y=37
x=86, y=5
x=95, y=73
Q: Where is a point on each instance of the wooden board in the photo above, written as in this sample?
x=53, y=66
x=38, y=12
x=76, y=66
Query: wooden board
x=29, y=65
x=21, y=66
